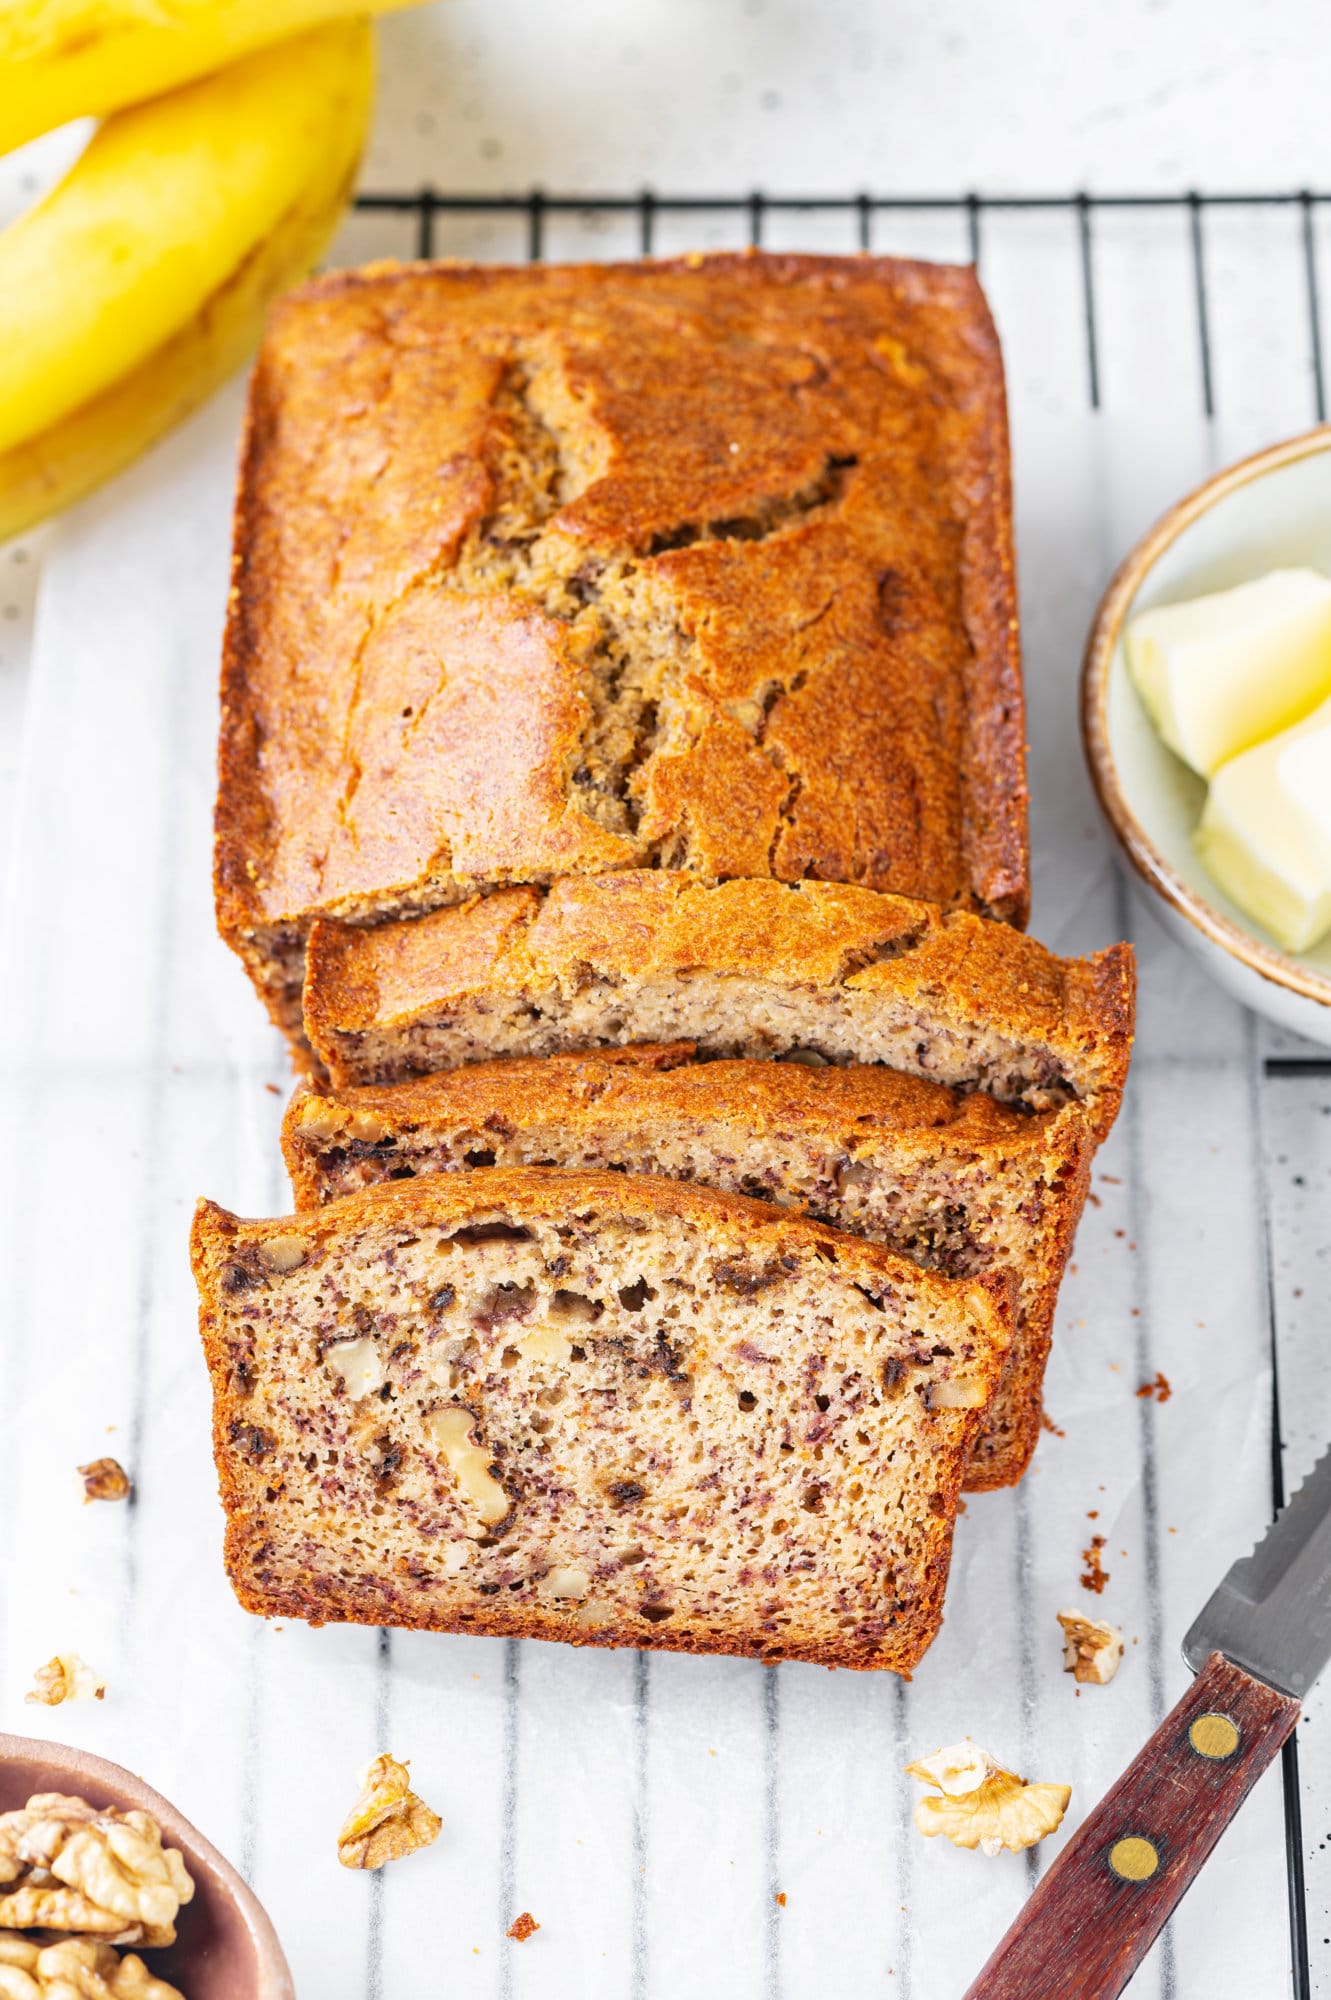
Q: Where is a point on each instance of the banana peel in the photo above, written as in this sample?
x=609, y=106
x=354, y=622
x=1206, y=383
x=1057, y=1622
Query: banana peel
x=67, y=59
x=120, y=335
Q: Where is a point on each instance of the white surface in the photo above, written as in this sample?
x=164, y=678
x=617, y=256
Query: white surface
x=931, y=95
x=647, y=1810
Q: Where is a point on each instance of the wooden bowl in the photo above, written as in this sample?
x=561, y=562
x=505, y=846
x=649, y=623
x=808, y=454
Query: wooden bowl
x=1272, y=511
x=226, y=1948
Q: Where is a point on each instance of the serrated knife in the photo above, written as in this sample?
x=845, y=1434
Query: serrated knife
x=1258, y=1646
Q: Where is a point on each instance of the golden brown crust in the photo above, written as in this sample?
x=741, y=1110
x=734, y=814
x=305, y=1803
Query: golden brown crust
x=888, y=955
x=785, y=478
x=733, y=1223
x=649, y=1107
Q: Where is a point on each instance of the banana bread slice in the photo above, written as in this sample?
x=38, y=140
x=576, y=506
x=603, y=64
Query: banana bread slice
x=740, y=968
x=702, y=564
x=607, y=1408
x=956, y=1181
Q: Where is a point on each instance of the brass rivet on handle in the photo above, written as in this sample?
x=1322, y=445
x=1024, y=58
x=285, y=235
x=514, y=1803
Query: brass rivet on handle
x=1214, y=1736
x=1133, y=1859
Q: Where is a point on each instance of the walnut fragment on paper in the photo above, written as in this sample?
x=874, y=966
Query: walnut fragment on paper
x=976, y=1803
x=387, y=1820
x=105, y=1479
x=66, y=1677
x=1092, y=1649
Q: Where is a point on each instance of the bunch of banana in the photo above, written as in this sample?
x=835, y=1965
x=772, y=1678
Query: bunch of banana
x=141, y=281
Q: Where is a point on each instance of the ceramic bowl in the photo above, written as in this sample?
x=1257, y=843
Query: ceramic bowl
x=226, y=1948
x=1271, y=511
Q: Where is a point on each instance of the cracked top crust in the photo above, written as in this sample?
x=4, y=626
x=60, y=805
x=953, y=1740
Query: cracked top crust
x=701, y=565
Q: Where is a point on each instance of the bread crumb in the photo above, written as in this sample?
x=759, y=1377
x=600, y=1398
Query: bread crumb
x=1160, y=1388
x=522, y=1927
x=780, y=1898
x=1095, y=1576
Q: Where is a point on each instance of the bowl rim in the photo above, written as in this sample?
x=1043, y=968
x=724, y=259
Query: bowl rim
x=79, y=1767
x=1267, y=961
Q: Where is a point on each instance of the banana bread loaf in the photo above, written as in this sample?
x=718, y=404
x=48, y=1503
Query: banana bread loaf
x=740, y=968
x=956, y=1181
x=701, y=565
x=597, y=1407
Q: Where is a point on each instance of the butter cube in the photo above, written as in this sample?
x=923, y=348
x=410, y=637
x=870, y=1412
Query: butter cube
x=1266, y=832
x=1226, y=671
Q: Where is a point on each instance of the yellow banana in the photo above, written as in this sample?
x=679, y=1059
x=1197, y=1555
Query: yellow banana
x=65, y=59
x=141, y=283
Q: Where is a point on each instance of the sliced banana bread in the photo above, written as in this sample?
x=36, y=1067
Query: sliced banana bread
x=607, y=1408
x=740, y=968
x=955, y=1180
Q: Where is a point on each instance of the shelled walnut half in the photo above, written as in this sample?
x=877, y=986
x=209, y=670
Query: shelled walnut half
x=74, y=1969
x=103, y=1875
x=979, y=1804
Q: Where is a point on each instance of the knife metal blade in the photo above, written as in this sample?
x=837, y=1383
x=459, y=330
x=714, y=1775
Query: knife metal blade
x=1272, y=1613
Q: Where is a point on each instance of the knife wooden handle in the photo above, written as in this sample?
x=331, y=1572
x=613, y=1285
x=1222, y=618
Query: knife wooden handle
x=1098, y=1911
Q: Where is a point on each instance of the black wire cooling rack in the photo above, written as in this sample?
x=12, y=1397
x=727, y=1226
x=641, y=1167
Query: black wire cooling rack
x=754, y=209
x=752, y=213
